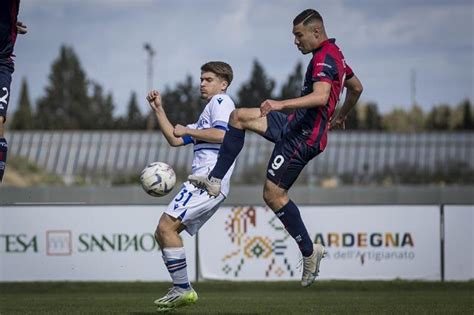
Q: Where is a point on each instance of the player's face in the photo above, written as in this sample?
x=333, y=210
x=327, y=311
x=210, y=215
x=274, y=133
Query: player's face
x=211, y=85
x=306, y=38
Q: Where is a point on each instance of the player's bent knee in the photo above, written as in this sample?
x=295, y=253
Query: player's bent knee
x=166, y=230
x=274, y=200
x=235, y=117
x=162, y=230
x=157, y=235
x=162, y=236
x=274, y=196
x=240, y=116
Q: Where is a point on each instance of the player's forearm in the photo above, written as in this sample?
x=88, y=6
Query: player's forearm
x=307, y=101
x=354, y=90
x=209, y=135
x=350, y=101
x=167, y=128
x=318, y=97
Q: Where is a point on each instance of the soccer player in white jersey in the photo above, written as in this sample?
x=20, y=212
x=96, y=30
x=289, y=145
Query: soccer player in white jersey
x=192, y=207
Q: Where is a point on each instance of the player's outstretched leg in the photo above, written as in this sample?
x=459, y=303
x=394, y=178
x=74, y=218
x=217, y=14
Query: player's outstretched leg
x=231, y=146
x=311, y=265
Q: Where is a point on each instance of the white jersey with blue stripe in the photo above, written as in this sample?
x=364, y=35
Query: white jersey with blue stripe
x=215, y=115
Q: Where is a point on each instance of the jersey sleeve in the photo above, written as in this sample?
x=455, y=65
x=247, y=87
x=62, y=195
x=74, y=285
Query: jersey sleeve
x=192, y=126
x=221, y=108
x=324, y=69
x=349, y=72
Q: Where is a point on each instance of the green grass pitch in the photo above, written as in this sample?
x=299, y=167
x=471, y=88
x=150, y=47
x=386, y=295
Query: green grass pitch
x=325, y=297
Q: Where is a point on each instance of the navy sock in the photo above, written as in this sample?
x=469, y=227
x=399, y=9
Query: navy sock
x=231, y=146
x=290, y=216
x=3, y=156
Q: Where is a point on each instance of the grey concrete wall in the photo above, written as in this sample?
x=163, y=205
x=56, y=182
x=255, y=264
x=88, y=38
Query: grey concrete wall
x=248, y=194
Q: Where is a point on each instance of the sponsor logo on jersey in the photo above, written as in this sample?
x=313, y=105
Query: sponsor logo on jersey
x=324, y=65
x=202, y=122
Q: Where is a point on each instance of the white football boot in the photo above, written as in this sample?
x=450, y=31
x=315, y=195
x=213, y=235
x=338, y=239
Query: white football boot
x=176, y=297
x=212, y=185
x=311, y=265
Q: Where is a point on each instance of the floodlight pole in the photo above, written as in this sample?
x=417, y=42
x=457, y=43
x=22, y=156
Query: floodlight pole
x=150, y=121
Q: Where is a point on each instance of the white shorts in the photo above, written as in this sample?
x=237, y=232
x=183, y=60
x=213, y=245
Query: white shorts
x=193, y=206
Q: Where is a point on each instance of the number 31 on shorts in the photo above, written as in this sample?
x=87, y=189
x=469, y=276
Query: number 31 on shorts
x=182, y=196
x=278, y=161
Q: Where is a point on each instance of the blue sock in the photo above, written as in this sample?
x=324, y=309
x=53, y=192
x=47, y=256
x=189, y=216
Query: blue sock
x=231, y=146
x=290, y=216
x=3, y=156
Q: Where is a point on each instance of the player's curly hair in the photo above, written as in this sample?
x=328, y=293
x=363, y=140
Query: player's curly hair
x=308, y=16
x=221, y=69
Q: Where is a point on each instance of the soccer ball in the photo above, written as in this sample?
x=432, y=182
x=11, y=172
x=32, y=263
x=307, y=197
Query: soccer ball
x=158, y=179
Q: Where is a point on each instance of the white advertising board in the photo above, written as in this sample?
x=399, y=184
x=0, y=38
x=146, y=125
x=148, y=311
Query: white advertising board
x=112, y=243
x=459, y=242
x=363, y=242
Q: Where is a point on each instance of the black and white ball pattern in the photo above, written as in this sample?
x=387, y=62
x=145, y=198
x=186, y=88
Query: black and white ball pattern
x=158, y=179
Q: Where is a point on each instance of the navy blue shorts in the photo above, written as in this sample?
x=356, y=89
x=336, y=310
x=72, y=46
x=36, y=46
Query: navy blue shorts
x=6, y=70
x=291, y=152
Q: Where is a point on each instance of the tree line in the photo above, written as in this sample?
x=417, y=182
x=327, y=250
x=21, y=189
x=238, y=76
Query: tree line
x=73, y=101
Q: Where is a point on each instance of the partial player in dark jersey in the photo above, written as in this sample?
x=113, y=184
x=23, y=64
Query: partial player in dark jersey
x=9, y=28
x=298, y=137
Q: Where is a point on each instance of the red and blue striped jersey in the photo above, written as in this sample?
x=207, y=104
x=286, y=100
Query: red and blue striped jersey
x=8, y=19
x=327, y=65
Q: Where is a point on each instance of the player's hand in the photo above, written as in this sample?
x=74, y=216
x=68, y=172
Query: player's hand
x=270, y=105
x=154, y=99
x=179, y=130
x=337, y=123
x=21, y=28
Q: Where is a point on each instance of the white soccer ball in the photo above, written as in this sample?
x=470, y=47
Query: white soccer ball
x=158, y=179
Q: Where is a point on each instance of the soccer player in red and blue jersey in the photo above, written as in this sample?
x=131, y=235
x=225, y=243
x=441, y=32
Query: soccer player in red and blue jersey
x=298, y=137
x=9, y=28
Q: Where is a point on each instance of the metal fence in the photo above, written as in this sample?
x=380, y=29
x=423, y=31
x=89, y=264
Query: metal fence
x=353, y=157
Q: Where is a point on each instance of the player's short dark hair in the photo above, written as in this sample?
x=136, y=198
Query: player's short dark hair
x=220, y=68
x=308, y=16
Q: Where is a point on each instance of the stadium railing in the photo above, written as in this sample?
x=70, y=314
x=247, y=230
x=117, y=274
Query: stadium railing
x=350, y=157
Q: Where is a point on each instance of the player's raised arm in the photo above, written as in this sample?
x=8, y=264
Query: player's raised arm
x=154, y=99
x=354, y=90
